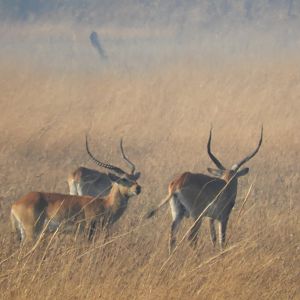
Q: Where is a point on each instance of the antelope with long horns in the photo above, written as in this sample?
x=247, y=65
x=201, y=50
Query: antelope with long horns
x=85, y=181
x=35, y=210
x=199, y=195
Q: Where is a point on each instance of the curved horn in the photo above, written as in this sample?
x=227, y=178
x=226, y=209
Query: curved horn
x=213, y=158
x=101, y=164
x=126, y=158
x=247, y=158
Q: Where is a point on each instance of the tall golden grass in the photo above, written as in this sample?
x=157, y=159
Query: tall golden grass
x=164, y=117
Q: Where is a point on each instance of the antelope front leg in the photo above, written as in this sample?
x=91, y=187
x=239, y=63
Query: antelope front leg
x=92, y=229
x=212, y=228
x=222, y=232
x=106, y=223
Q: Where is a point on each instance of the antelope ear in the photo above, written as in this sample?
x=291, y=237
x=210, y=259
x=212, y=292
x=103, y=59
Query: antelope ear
x=215, y=172
x=113, y=177
x=242, y=172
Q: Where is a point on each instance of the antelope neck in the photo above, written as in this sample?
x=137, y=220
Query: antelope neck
x=115, y=198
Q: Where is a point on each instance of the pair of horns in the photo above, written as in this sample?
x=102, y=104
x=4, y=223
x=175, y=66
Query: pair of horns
x=109, y=166
x=119, y=171
x=236, y=166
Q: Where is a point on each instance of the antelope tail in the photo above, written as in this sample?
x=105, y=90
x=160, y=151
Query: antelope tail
x=152, y=212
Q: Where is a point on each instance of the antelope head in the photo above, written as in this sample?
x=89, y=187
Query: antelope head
x=127, y=187
x=127, y=181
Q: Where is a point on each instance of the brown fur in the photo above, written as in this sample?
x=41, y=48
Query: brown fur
x=200, y=195
x=178, y=182
x=84, y=181
x=31, y=212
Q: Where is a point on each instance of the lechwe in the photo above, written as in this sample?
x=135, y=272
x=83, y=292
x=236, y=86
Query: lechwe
x=85, y=181
x=35, y=210
x=199, y=195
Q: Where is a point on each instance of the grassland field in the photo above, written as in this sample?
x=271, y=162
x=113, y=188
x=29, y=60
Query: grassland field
x=164, y=115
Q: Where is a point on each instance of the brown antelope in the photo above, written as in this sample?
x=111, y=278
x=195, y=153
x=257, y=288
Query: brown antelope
x=33, y=211
x=199, y=195
x=84, y=181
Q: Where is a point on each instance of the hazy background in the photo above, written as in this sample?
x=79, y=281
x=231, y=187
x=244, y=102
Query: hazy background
x=147, y=33
x=173, y=69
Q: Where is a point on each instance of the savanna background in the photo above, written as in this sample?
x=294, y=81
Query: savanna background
x=173, y=68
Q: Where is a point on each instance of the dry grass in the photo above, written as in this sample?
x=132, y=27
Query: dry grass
x=164, y=117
